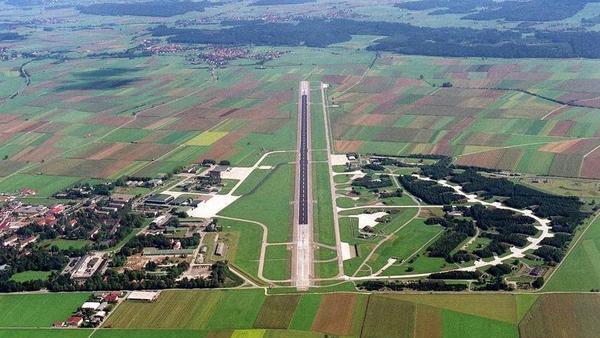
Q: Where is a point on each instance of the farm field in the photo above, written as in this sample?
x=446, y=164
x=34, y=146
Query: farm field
x=249, y=313
x=195, y=103
x=580, y=270
x=38, y=310
x=483, y=119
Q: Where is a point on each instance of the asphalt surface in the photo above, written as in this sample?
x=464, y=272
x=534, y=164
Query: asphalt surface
x=302, y=256
x=303, y=197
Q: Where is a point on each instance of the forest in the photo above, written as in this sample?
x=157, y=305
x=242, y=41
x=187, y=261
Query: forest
x=399, y=37
x=280, y=2
x=430, y=192
x=532, y=10
x=163, y=8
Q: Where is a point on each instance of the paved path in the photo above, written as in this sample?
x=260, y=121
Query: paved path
x=336, y=222
x=543, y=224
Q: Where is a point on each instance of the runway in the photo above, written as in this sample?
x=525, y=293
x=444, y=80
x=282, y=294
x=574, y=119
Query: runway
x=302, y=256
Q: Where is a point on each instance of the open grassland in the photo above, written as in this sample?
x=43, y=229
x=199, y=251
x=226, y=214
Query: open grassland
x=65, y=244
x=404, y=244
x=580, y=270
x=30, y=275
x=323, y=208
x=45, y=333
x=399, y=220
x=277, y=262
x=39, y=310
x=245, y=254
x=269, y=203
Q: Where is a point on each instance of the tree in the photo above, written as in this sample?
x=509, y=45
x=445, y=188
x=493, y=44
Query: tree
x=538, y=282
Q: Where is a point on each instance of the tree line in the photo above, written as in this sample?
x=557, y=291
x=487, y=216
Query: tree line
x=397, y=37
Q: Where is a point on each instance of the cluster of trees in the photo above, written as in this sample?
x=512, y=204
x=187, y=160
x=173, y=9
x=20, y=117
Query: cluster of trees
x=280, y=2
x=372, y=183
x=457, y=230
x=140, y=280
x=501, y=220
x=504, y=227
x=35, y=260
x=8, y=36
x=550, y=254
x=456, y=275
x=532, y=10
x=388, y=194
x=108, y=233
x=564, y=211
x=499, y=270
x=129, y=280
x=429, y=191
x=398, y=37
x=441, y=169
x=159, y=241
x=444, y=245
x=420, y=285
x=162, y=8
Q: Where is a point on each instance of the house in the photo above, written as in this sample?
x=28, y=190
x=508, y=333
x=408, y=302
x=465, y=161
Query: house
x=10, y=241
x=31, y=210
x=59, y=324
x=148, y=296
x=28, y=240
x=56, y=209
x=94, y=232
x=160, y=220
x=160, y=199
x=121, y=198
x=153, y=183
x=220, y=250
x=74, y=321
x=109, y=209
x=87, y=266
x=112, y=297
x=90, y=306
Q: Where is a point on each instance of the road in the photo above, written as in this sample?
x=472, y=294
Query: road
x=336, y=222
x=302, y=255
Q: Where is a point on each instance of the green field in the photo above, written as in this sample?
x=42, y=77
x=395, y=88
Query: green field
x=580, y=270
x=40, y=310
x=64, y=244
x=274, y=196
x=30, y=275
x=204, y=313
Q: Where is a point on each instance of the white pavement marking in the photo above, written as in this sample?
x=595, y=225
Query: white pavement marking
x=369, y=220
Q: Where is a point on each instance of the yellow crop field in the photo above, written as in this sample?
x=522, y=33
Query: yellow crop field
x=207, y=138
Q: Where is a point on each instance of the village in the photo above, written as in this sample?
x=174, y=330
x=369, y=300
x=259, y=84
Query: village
x=98, y=229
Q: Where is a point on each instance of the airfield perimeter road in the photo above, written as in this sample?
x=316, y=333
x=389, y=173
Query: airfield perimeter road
x=302, y=255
